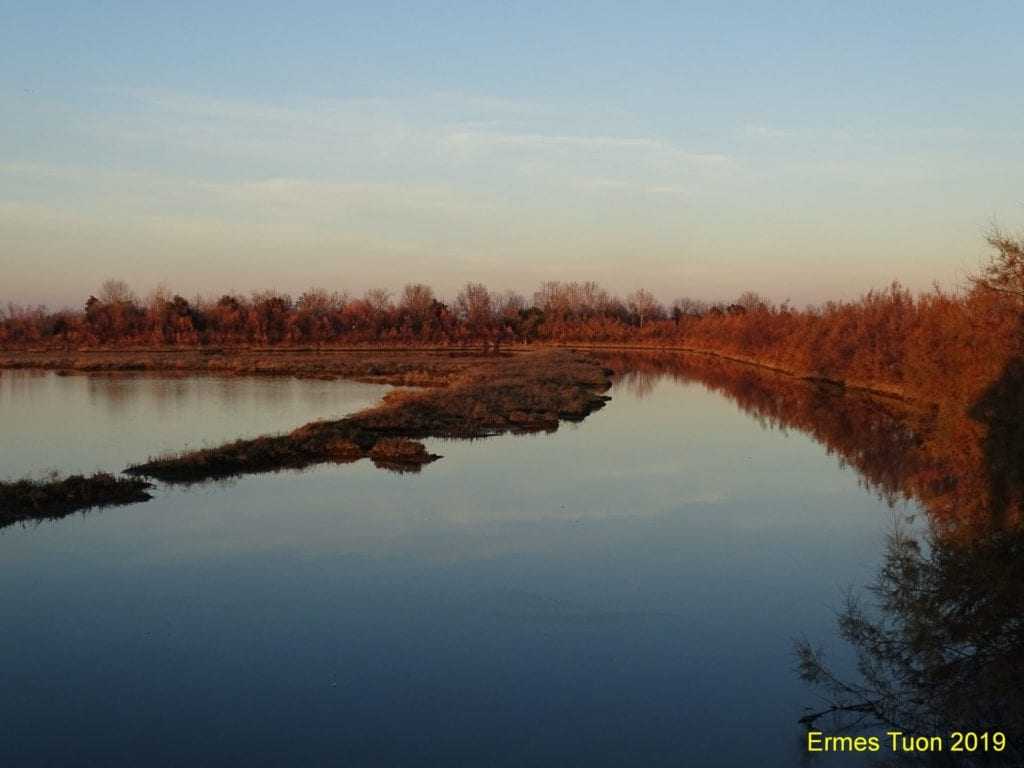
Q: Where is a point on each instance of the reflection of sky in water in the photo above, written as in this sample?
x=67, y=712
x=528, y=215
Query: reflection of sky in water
x=623, y=591
x=85, y=423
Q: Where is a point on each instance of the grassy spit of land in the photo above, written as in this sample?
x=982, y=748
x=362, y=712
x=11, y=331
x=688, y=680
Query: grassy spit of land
x=459, y=394
x=526, y=392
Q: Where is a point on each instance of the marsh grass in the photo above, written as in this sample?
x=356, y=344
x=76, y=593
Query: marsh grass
x=54, y=496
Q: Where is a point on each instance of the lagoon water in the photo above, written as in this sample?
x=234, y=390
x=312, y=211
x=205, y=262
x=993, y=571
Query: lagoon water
x=625, y=591
x=105, y=422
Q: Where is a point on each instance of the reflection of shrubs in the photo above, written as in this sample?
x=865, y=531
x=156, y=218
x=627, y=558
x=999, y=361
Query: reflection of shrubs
x=56, y=497
x=965, y=471
x=1001, y=410
x=941, y=648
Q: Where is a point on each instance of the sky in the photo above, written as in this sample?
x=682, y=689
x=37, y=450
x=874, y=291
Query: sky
x=807, y=151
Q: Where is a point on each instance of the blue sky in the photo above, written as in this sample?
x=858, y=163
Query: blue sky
x=804, y=150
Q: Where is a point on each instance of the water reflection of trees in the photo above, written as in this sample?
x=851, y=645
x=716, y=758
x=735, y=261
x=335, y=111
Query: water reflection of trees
x=939, y=638
x=1001, y=410
x=953, y=464
x=940, y=645
x=639, y=381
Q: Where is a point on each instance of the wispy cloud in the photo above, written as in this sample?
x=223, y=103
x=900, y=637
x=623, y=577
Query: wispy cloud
x=642, y=150
x=355, y=162
x=450, y=136
x=760, y=130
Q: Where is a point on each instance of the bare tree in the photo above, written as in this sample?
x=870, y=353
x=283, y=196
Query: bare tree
x=752, y=301
x=318, y=301
x=572, y=300
x=417, y=299
x=116, y=292
x=508, y=304
x=474, y=307
x=642, y=304
x=378, y=299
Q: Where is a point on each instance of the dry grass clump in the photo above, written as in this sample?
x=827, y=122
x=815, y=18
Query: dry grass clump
x=401, y=455
x=343, y=451
x=56, y=497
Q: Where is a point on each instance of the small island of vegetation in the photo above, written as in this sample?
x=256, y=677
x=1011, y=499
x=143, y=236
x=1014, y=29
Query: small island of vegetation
x=56, y=497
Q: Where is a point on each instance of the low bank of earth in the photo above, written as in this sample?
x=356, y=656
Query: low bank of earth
x=460, y=395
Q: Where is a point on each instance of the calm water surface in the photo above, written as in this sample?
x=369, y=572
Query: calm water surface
x=89, y=423
x=625, y=591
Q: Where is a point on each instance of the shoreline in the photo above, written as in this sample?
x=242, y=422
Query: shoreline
x=458, y=396
x=880, y=389
x=420, y=368
x=374, y=364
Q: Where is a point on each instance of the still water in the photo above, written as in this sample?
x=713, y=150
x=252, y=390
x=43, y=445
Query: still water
x=89, y=423
x=625, y=591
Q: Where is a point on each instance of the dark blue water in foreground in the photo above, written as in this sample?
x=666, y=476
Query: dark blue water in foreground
x=622, y=592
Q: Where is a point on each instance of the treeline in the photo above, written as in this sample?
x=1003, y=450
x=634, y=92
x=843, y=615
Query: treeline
x=938, y=344
x=115, y=315
x=558, y=311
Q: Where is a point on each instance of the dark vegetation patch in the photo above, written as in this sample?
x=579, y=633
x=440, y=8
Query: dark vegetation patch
x=56, y=497
x=522, y=393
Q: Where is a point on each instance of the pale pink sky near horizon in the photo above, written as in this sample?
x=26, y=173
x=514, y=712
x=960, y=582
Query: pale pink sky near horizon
x=65, y=255
x=694, y=150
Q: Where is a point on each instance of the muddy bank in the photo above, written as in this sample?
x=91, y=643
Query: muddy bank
x=878, y=388
x=527, y=392
x=56, y=497
x=399, y=367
